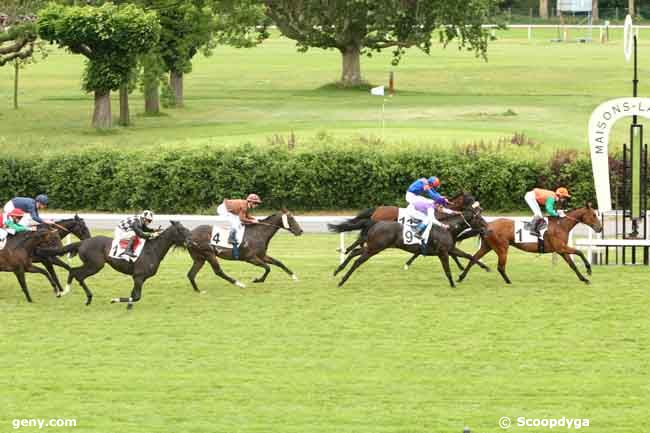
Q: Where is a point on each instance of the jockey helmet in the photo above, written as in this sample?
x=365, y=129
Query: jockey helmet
x=42, y=198
x=434, y=181
x=15, y=212
x=147, y=215
x=253, y=198
x=562, y=192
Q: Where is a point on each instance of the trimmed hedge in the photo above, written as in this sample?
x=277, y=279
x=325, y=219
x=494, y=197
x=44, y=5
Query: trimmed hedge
x=335, y=178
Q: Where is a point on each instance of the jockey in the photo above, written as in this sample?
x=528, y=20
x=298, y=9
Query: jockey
x=133, y=227
x=29, y=206
x=13, y=219
x=237, y=213
x=548, y=199
x=416, y=201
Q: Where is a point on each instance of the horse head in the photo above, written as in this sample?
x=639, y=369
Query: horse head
x=79, y=228
x=473, y=214
x=589, y=216
x=289, y=222
x=178, y=234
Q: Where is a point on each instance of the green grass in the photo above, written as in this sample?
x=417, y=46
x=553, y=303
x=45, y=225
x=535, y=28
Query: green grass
x=392, y=351
x=545, y=90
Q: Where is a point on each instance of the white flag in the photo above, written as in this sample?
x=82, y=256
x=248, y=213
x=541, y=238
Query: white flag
x=377, y=91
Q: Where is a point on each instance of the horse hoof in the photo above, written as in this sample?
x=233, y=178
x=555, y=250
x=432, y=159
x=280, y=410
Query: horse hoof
x=240, y=285
x=202, y=292
x=294, y=277
x=587, y=282
x=257, y=280
x=129, y=306
x=115, y=300
x=58, y=294
x=66, y=290
x=406, y=267
x=88, y=301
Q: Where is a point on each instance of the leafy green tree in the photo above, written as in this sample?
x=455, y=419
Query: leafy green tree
x=356, y=27
x=110, y=37
x=190, y=26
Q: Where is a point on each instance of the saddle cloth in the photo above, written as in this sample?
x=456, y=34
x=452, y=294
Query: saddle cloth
x=3, y=238
x=119, y=246
x=220, y=236
x=522, y=232
x=409, y=221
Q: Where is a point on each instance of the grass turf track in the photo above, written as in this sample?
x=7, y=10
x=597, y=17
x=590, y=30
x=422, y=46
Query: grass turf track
x=392, y=351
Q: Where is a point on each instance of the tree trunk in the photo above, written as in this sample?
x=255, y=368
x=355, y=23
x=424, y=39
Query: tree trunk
x=176, y=83
x=594, y=10
x=631, y=10
x=16, y=69
x=351, y=74
x=124, y=105
x=102, y=114
x=151, y=96
x=543, y=9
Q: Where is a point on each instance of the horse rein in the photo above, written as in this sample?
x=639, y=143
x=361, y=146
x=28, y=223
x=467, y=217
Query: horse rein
x=285, y=223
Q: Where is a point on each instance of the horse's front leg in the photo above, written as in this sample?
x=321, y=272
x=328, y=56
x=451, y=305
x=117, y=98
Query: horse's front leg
x=412, y=259
x=271, y=261
x=35, y=270
x=136, y=293
x=257, y=261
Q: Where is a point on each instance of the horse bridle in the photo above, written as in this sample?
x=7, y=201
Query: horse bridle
x=285, y=223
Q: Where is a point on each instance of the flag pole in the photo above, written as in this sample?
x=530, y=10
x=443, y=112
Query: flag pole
x=383, y=118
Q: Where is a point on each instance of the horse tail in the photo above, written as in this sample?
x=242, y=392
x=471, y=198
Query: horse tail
x=71, y=249
x=357, y=223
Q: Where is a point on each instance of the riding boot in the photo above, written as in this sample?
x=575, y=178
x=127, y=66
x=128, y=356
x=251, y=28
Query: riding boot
x=232, y=239
x=129, y=248
x=537, y=225
x=420, y=229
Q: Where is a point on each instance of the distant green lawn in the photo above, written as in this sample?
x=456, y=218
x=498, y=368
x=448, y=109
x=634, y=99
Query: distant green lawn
x=258, y=95
x=392, y=351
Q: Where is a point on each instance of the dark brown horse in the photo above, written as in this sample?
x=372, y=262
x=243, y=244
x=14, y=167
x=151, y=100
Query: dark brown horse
x=441, y=242
x=76, y=226
x=94, y=253
x=252, y=250
x=501, y=234
x=17, y=255
x=365, y=219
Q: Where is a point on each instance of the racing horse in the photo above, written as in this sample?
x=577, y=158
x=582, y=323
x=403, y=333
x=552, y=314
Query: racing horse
x=63, y=228
x=17, y=256
x=441, y=242
x=252, y=250
x=365, y=219
x=94, y=253
x=501, y=234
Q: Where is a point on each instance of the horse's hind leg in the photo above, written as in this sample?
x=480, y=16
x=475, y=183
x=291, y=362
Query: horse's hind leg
x=365, y=255
x=347, y=260
x=20, y=275
x=80, y=274
x=411, y=260
x=271, y=261
x=196, y=267
x=216, y=268
x=460, y=266
x=354, y=244
x=502, y=253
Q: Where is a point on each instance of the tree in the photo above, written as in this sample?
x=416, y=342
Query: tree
x=110, y=37
x=189, y=26
x=543, y=9
x=356, y=27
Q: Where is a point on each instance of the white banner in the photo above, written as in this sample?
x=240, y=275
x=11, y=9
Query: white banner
x=600, y=125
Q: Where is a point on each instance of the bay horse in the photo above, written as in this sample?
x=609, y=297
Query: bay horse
x=62, y=228
x=441, y=242
x=17, y=255
x=501, y=234
x=252, y=250
x=94, y=253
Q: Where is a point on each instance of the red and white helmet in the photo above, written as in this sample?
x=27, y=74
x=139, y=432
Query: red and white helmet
x=254, y=198
x=16, y=212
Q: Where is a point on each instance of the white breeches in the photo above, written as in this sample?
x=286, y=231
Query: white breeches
x=532, y=203
x=123, y=234
x=233, y=220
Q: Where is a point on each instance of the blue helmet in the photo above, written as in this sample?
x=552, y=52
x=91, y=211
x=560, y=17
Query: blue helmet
x=434, y=181
x=42, y=198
